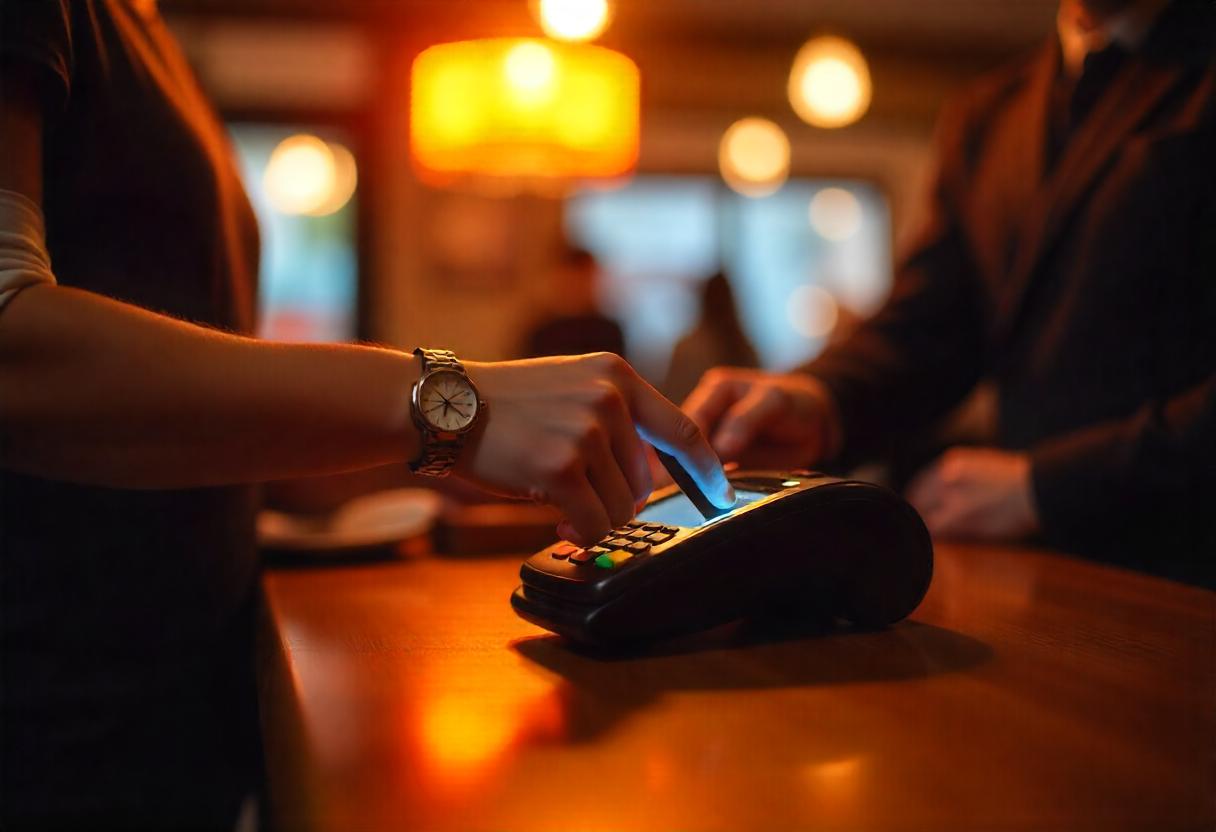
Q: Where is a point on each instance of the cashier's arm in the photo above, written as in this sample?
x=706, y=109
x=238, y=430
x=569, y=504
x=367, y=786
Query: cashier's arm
x=101, y=392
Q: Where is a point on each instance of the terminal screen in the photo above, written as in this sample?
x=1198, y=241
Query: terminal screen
x=678, y=510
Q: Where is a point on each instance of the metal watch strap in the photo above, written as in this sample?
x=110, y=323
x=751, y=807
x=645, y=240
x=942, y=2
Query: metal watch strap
x=437, y=458
x=439, y=360
x=438, y=455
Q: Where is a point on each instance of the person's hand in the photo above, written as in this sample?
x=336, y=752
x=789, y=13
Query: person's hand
x=565, y=432
x=979, y=493
x=766, y=420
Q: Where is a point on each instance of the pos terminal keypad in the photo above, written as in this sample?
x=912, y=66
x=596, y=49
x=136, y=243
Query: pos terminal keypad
x=634, y=539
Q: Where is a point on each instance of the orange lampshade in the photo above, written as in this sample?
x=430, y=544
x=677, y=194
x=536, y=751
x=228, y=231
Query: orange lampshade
x=524, y=108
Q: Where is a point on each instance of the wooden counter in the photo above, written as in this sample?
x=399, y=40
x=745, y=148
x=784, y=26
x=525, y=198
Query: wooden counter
x=1029, y=691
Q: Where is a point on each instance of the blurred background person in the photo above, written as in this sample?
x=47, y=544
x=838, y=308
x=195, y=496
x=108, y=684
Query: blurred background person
x=574, y=323
x=717, y=340
x=1068, y=259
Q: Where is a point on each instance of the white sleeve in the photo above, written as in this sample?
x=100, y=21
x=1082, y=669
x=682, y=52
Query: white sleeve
x=24, y=260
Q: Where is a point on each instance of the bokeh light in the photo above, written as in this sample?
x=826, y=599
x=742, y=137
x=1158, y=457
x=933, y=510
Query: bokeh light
x=829, y=84
x=529, y=67
x=835, y=214
x=306, y=175
x=754, y=156
x=346, y=178
x=812, y=311
x=574, y=20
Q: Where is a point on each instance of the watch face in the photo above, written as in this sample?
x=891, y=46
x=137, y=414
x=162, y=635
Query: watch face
x=447, y=402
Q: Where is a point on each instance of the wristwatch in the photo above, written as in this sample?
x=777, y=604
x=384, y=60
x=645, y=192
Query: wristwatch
x=445, y=407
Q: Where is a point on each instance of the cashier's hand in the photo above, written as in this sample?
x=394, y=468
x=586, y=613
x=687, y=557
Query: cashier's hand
x=976, y=493
x=568, y=431
x=766, y=420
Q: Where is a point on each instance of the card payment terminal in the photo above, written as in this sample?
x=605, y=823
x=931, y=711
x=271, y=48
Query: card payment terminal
x=795, y=543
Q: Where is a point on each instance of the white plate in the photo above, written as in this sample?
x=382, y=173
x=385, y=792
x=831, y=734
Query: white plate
x=380, y=519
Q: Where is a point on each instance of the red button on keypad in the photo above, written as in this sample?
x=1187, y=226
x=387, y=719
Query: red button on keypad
x=581, y=556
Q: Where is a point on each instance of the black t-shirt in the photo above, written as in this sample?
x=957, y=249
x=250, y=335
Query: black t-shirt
x=125, y=626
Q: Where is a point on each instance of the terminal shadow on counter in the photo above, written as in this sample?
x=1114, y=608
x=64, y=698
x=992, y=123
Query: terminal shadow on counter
x=602, y=686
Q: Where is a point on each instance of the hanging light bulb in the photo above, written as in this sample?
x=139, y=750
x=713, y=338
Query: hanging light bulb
x=754, y=156
x=573, y=20
x=308, y=176
x=829, y=84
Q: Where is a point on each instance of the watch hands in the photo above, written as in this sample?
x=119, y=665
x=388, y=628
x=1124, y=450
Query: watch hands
x=450, y=404
x=447, y=404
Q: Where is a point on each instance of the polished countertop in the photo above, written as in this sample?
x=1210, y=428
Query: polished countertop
x=1029, y=691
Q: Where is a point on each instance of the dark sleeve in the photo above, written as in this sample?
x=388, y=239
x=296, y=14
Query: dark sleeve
x=1154, y=470
x=1159, y=463
x=924, y=350
x=36, y=38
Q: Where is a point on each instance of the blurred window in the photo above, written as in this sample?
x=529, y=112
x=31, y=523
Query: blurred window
x=308, y=283
x=805, y=262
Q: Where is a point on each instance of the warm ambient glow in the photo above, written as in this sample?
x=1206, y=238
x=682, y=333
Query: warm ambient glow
x=529, y=68
x=573, y=19
x=812, y=311
x=835, y=789
x=461, y=734
x=754, y=156
x=835, y=214
x=830, y=83
x=525, y=108
x=306, y=175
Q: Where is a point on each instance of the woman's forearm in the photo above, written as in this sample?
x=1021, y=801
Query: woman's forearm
x=97, y=391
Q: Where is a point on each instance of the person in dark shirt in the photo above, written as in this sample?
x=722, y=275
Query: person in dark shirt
x=135, y=415
x=1068, y=263
x=575, y=324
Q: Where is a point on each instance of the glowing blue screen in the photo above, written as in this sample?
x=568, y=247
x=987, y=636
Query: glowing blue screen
x=678, y=510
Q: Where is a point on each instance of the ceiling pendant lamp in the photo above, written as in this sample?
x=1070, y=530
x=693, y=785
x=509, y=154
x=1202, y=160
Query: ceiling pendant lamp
x=829, y=84
x=523, y=108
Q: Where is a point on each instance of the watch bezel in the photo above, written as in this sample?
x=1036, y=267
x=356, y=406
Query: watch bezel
x=420, y=415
